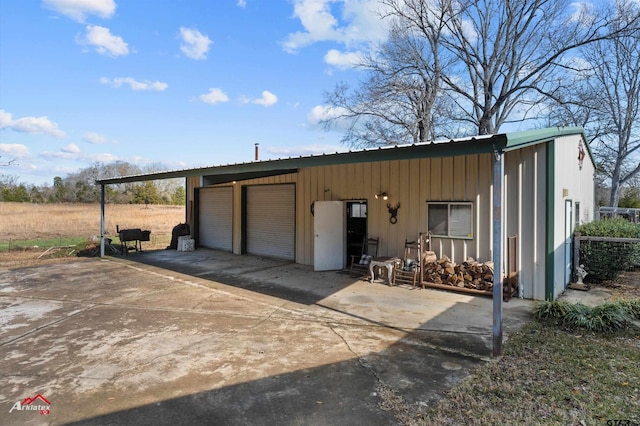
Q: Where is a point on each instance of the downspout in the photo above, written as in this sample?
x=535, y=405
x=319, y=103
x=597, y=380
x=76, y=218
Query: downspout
x=101, y=220
x=550, y=222
x=498, y=197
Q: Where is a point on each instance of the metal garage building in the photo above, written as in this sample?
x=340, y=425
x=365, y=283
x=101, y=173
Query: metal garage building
x=471, y=193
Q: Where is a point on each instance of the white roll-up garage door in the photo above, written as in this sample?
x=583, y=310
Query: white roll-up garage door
x=271, y=218
x=216, y=218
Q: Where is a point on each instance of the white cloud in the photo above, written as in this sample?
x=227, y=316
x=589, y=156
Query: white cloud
x=72, y=148
x=96, y=138
x=318, y=22
x=579, y=66
x=78, y=10
x=104, y=42
x=349, y=22
x=583, y=13
x=30, y=124
x=267, y=99
x=134, y=84
x=103, y=157
x=194, y=44
x=58, y=155
x=214, y=96
x=322, y=112
x=14, y=150
x=242, y=3
x=343, y=60
x=73, y=153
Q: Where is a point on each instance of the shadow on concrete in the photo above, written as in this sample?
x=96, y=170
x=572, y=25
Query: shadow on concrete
x=427, y=353
x=261, y=274
x=389, y=387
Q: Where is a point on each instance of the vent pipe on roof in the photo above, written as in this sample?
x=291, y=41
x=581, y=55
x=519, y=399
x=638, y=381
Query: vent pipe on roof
x=257, y=151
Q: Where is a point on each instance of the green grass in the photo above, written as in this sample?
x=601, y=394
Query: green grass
x=79, y=244
x=41, y=243
x=550, y=376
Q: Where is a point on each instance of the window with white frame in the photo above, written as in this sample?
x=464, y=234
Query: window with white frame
x=450, y=219
x=358, y=210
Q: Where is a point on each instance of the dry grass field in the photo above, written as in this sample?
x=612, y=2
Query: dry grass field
x=20, y=222
x=26, y=221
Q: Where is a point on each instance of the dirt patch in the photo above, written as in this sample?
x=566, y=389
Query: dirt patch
x=626, y=286
x=23, y=258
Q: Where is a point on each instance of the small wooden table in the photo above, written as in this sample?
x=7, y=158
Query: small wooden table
x=385, y=262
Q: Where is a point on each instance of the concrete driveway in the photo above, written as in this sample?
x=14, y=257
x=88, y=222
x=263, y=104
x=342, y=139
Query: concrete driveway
x=207, y=337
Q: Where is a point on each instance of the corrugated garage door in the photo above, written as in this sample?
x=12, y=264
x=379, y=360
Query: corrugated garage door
x=271, y=217
x=216, y=218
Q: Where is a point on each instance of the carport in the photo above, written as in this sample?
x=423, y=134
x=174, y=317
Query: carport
x=248, y=172
x=470, y=194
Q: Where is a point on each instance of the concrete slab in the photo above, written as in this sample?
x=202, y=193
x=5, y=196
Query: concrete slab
x=592, y=297
x=172, y=337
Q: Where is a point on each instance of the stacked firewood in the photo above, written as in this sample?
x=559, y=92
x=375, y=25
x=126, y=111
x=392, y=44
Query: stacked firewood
x=468, y=274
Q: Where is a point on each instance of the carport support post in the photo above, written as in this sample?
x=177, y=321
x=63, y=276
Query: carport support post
x=102, y=220
x=498, y=197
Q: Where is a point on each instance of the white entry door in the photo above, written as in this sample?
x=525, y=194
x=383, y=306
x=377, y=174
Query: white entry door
x=329, y=235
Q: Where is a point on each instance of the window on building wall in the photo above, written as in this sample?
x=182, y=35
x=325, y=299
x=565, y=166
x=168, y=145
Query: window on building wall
x=358, y=210
x=577, y=214
x=452, y=220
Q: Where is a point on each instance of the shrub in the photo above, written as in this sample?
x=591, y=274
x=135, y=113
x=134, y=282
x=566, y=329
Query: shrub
x=632, y=307
x=606, y=317
x=617, y=228
x=606, y=260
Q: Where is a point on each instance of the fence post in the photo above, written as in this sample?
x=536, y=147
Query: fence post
x=576, y=255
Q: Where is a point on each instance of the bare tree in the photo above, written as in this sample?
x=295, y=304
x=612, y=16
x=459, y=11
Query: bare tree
x=616, y=77
x=604, y=98
x=509, y=53
x=165, y=187
x=397, y=101
x=494, y=61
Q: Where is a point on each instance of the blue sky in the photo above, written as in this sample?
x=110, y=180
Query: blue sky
x=185, y=83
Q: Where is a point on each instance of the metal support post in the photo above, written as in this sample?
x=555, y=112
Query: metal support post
x=498, y=197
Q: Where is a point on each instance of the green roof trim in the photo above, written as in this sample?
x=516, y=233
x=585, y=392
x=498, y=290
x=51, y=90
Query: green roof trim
x=518, y=140
x=464, y=146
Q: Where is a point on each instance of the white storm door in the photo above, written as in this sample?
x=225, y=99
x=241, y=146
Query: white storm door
x=329, y=235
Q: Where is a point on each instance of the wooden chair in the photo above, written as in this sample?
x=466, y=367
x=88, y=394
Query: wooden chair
x=360, y=262
x=407, y=272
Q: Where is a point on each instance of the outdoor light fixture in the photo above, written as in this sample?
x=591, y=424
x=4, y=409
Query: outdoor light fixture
x=382, y=195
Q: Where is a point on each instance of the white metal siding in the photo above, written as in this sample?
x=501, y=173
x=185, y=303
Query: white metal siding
x=216, y=218
x=524, y=208
x=271, y=220
x=574, y=183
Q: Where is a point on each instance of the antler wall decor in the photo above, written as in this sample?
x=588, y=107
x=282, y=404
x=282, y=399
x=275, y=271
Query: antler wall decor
x=393, y=211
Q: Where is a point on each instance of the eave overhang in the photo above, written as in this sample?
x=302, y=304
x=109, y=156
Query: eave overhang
x=257, y=169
